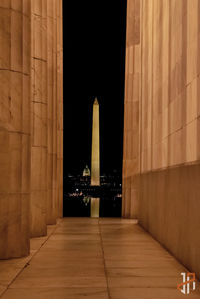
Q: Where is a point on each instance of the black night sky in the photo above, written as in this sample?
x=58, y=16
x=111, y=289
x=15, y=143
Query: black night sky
x=94, y=59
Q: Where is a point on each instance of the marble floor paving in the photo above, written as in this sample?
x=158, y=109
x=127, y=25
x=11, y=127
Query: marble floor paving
x=96, y=259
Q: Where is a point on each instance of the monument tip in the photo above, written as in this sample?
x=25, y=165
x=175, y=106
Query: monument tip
x=96, y=102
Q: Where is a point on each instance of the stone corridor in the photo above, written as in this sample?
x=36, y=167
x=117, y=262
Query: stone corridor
x=91, y=258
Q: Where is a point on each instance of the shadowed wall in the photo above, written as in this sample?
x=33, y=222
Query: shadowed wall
x=161, y=167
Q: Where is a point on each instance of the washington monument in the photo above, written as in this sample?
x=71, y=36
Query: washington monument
x=95, y=161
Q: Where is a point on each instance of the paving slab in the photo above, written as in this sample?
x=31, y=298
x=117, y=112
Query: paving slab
x=96, y=259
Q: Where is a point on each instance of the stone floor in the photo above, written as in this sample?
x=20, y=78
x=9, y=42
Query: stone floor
x=97, y=259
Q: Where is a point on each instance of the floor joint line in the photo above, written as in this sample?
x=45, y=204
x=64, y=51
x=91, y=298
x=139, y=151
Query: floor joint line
x=104, y=263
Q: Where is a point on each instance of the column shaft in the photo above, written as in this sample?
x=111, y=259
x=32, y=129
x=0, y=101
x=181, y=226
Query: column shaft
x=15, y=31
x=59, y=109
x=39, y=118
x=51, y=215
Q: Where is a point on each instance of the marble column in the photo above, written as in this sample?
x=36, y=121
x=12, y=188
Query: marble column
x=14, y=128
x=54, y=182
x=59, y=109
x=46, y=201
x=132, y=103
x=55, y=111
x=38, y=118
x=51, y=21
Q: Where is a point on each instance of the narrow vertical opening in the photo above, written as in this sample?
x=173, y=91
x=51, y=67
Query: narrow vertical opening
x=94, y=66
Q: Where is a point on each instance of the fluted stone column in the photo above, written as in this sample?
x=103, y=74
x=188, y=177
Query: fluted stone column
x=55, y=111
x=54, y=183
x=131, y=151
x=39, y=118
x=14, y=128
x=51, y=21
x=59, y=109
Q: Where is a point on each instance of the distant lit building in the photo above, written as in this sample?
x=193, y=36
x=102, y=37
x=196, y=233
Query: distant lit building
x=86, y=171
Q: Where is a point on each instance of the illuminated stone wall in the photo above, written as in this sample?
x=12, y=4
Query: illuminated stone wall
x=31, y=121
x=161, y=134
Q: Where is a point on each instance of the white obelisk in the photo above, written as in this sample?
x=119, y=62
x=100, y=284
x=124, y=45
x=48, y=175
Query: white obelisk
x=95, y=162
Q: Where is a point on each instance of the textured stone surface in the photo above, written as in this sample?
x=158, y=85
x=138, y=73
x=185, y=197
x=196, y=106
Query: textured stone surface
x=15, y=31
x=161, y=130
x=59, y=109
x=131, y=160
x=47, y=115
x=51, y=91
x=39, y=118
